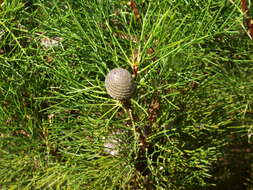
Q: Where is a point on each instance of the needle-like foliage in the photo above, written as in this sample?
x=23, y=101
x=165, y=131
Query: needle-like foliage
x=187, y=126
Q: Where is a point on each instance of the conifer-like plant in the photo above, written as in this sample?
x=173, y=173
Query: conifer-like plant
x=180, y=118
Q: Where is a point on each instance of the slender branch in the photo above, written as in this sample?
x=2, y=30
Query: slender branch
x=248, y=20
x=244, y=6
x=133, y=5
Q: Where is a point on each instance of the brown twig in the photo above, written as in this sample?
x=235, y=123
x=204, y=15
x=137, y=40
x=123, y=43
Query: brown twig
x=248, y=19
x=244, y=6
x=133, y=5
x=140, y=159
x=135, y=59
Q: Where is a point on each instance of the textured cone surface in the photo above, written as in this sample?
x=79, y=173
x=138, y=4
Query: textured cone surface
x=119, y=84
